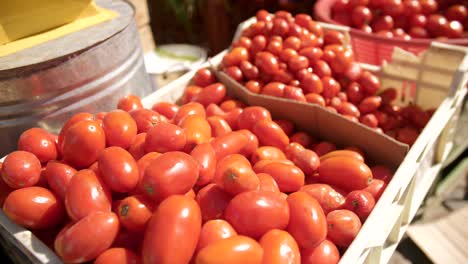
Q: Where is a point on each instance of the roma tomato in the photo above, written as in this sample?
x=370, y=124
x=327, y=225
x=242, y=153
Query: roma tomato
x=144, y=162
x=170, y=173
x=118, y=169
x=232, y=116
x=192, y=108
x=266, y=62
x=85, y=195
x=204, y=77
x=73, y=120
x=212, y=94
x=82, y=241
x=190, y=92
x=129, y=102
x=369, y=82
x=343, y=153
x=343, y=227
x=120, y=129
x=165, y=137
x=279, y=247
x=235, y=175
x=134, y=213
x=325, y=253
x=169, y=110
x=303, y=158
x=231, y=104
x=34, y=207
x=328, y=198
x=376, y=188
x=118, y=255
x=381, y=172
x=267, y=153
x=307, y=222
x=252, y=143
x=21, y=169
x=177, y=222
x=39, y=142
x=137, y=149
x=324, y=147
x=274, y=89
x=260, y=165
x=311, y=83
x=267, y=183
x=361, y=203
x=230, y=143
x=212, y=200
x=82, y=143
x=205, y=156
x=197, y=130
x=345, y=172
x=288, y=177
x=251, y=115
x=270, y=134
x=253, y=86
x=218, y=125
x=256, y=212
x=213, y=231
x=303, y=138
x=235, y=73
x=235, y=56
x=145, y=119
x=370, y=104
x=58, y=177
x=232, y=250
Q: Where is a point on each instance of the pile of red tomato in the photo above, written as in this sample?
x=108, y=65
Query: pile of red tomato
x=404, y=19
x=209, y=181
x=294, y=58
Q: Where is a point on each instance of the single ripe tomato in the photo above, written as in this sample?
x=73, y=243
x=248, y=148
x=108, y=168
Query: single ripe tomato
x=324, y=147
x=321, y=68
x=370, y=104
x=192, y=108
x=230, y=143
x=145, y=119
x=169, y=110
x=457, y=12
x=170, y=173
x=120, y=129
x=270, y=134
x=196, y=129
x=258, y=44
x=369, y=82
x=242, y=42
x=252, y=143
x=376, y=188
x=267, y=183
x=307, y=222
x=129, y=102
x=118, y=255
x=83, y=142
x=212, y=200
x=381, y=172
x=137, y=149
x=21, y=169
x=381, y=23
x=34, y=207
x=361, y=203
x=82, y=241
x=302, y=138
x=235, y=56
x=288, y=177
x=205, y=156
x=343, y=153
x=275, y=47
x=437, y=25
x=134, y=213
x=58, y=177
x=274, y=89
x=454, y=30
x=164, y=137
x=343, y=227
x=266, y=62
x=314, y=98
x=232, y=116
x=345, y=172
x=311, y=83
x=260, y=165
x=428, y=6
x=249, y=71
x=267, y=153
x=218, y=125
x=235, y=175
x=232, y=250
x=305, y=159
x=213, y=231
x=294, y=93
x=177, y=222
x=190, y=92
x=325, y=253
x=204, y=77
x=235, y=73
x=279, y=247
x=118, y=169
x=360, y=16
x=73, y=120
x=253, y=86
x=39, y=142
x=256, y=212
x=85, y=195
x=333, y=37
x=328, y=198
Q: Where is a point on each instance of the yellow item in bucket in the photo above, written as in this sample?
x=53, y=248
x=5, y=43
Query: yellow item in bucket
x=26, y=23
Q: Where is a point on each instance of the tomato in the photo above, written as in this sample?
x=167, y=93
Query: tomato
x=120, y=129
x=361, y=203
x=177, y=222
x=144, y=119
x=376, y=188
x=212, y=200
x=170, y=173
x=382, y=23
x=190, y=92
x=232, y=250
x=286, y=125
x=85, y=195
x=282, y=76
x=418, y=32
x=321, y=68
x=169, y=110
x=381, y=172
x=134, y=213
x=260, y=165
x=118, y=169
x=21, y=169
x=407, y=135
x=369, y=82
x=235, y=56
x=437, y=25
x=204, y=77
x=232, y=117
x=192, y=108
x=164, y=137
x=343, y=227
x=361, y=15
x=294, y=93
x=267, y=183
x=58, y=177
x=263, y=15
x=292, y=42
x=288, y=177
x=328, y=198
x=252, y=143
x=343, y=153
x=307, y=222
x=83, y=142
x=253, y=86
x=243, y=42
x=73, y=120
x=280, y=27
x=325, y=253
x=303, y=158
x=235, y=73
x=129, y=102
x=314, y=98
x=279, y=247
x=298, y=63
x=34, y=207
x=39, y=142
x=454, y=30
x=417, y=20
x=457, y=12
x=266, y=62
x=251, y=115
x=323, y=148
x=345, y=172
x=428, y=6
x=82, y=241
x=213, y=231
x=143, y=163
x=137, y=149
x=230, y=143
x=274, y=89
x=302, y=138
x=118, y=255
x=348, y=109
x=235, y=175
x=275, y=47
x=205, y=156
x=197, y=130
x=254, y=213
x=249, y=71
x=311, y=83
x=355, y=92
x=258, y=44
x=369, y=120
x=270, y=134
